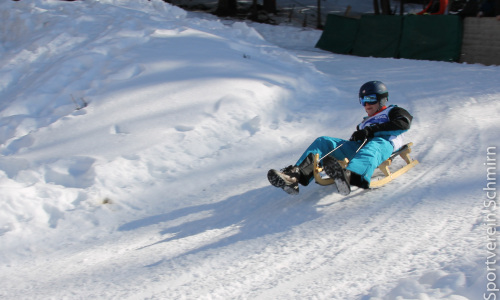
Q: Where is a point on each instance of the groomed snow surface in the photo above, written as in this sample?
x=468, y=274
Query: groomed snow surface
x=135, y=139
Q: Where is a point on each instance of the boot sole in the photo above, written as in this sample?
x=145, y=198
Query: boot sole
x=276, y=180
x=334, y=170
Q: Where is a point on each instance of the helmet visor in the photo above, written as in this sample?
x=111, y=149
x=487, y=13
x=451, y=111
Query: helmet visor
x=370, y=99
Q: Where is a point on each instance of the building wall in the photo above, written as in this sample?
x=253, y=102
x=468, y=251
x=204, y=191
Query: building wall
x=481, y=41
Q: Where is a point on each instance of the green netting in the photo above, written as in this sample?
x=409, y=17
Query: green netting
x=378, y=36
x=431, y=37
x=339, y=34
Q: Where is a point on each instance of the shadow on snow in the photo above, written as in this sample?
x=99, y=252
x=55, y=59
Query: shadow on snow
x=255, y=214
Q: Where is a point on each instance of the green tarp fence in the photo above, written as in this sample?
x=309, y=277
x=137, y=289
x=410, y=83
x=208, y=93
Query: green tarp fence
x=378, y=36
x=339, y=34
x=431, y=37
x=427, y=37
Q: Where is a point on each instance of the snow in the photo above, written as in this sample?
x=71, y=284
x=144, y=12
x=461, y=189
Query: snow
x=135, y=139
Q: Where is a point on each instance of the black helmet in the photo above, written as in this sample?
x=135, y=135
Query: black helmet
x=377, y=89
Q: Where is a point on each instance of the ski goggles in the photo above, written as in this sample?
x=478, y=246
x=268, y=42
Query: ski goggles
x=370, y=99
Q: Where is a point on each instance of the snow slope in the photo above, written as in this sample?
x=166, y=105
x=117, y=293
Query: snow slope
x=135, y=139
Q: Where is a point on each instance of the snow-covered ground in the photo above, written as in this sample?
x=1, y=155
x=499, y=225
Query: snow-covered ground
x=135, y=139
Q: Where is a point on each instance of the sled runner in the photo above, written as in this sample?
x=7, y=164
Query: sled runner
x=404, y=153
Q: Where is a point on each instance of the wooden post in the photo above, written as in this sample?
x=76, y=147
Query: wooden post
x=318, y=24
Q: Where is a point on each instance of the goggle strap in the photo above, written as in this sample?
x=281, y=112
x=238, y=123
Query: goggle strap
x=381, y=96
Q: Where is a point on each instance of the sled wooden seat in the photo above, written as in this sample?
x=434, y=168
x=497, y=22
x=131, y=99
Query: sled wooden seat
x=403, y=152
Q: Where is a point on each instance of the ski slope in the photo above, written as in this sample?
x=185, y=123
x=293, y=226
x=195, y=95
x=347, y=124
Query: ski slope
x=135, y=139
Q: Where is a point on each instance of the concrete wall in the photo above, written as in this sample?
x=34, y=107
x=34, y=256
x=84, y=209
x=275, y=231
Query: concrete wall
x=481, y=41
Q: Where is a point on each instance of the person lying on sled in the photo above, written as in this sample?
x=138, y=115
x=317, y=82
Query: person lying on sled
x=381, y=132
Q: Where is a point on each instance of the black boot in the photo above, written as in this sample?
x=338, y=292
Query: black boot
x=342, y=177
x=287, y=179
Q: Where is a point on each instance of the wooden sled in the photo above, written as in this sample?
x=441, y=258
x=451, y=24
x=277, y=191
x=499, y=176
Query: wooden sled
x=404, y=153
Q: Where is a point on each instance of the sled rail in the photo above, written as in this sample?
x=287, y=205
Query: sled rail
x=404, y=153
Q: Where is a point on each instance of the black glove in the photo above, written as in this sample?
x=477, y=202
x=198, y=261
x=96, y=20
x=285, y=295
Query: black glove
x=362, y=134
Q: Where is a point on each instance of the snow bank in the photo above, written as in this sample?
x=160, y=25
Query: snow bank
x=94, y=90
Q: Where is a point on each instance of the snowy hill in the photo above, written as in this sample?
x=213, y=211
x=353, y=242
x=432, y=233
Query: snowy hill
x=135, y=139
